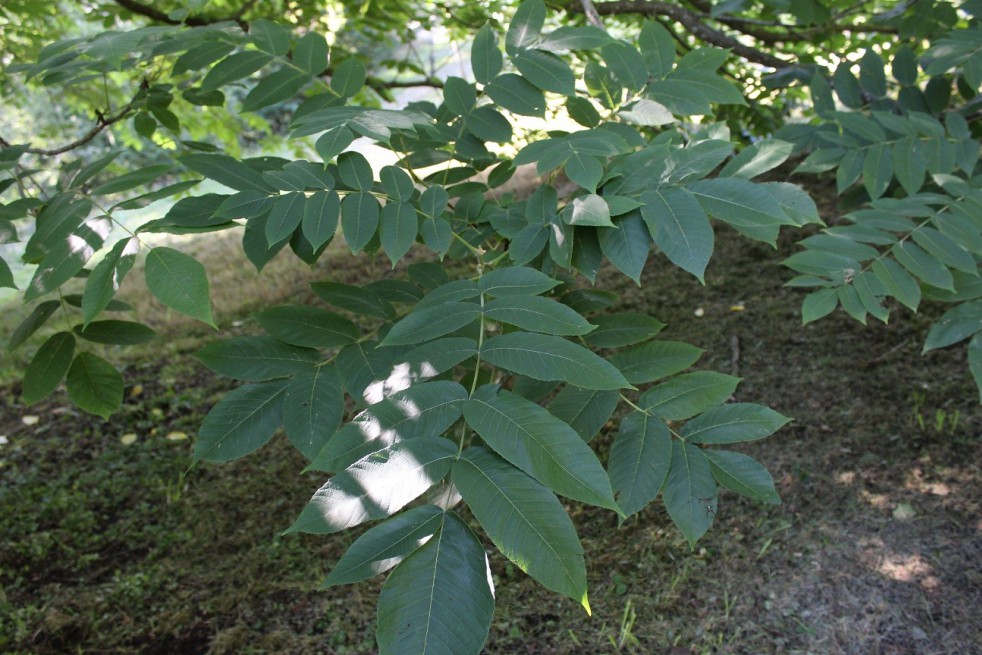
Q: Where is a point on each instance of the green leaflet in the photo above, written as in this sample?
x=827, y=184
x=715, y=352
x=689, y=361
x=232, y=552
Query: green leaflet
x=397, y=183
x=459, y=95
x=515, y=281
x=679, y=227
x=122, y=333
x=690, y=491
x=540, y=444
x=349, y=77
x=179, y=281
x=922, y=265
x=285, y=216
x=517, y=95
x=94, y=385
x=439, y=600
x=525, y=521
x=627, y=64
x=354, y=299
x=526, y=25
x=310, y=53
x=226, y=170
x=537, y=314
x=546, y=357
x=270, y=37
x=422, y=410
x=758, y=158
x=377, y=486
x=946, y=250
x=431, y=322
x=106, y=277
x=818, y=304
x=256, y=358
x=333, y=142
x=878, y=169
x=955, y=325
x=313, y=406
x=355, y=171
x=898, y=282
x=48, y=366
x=398, y=227
x=132, y=179
x=38, y=316
x=590, y=210
x=975, y=361
x=545, y=70
x=276, y=87
x=654, y=360
x=312, y=327
x=639, y=461
x=359, y=219
x=241, y=422
x=733, y=423
x=487, y=124
x=657, y=47
x=67, y=258
x=385, y=545
x=486, y=59
x=740, y=203
x=585, y=410
x=623, y=329
x=320, y=217
x=435, y=357
x=742, y=474
x=626, y=245
x=6, y=276
x=689, y=394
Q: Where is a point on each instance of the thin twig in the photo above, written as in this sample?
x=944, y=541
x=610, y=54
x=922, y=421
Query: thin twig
x=591, y=14
x=101, y=124
x=693, y=23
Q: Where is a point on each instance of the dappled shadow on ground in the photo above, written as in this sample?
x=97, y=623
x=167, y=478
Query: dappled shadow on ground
x=876, y=549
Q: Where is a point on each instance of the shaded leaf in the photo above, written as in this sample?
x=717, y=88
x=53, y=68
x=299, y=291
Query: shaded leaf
x=385, y=545
x=639, y=461
x=256, y=358
x=48, y=366
x=440, y=599
x=546, y=357
x=313, y=407
x=241, y=422
x=690, y=491
x=540, y=444
x=525, y=521
x=179, y=282
x=94, y=385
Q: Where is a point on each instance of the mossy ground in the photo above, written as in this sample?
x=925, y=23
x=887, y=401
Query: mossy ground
x=876, y=549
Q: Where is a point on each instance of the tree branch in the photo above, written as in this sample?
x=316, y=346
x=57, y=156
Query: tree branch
x=153, y=14
x=101, y=124
x=692, y=22
x=591, y=14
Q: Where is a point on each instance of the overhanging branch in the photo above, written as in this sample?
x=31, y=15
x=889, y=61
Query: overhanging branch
x=101, y=124
x=692, y=22
x=156, y=15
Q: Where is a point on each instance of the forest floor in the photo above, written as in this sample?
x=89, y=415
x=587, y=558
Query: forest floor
x=109, y=544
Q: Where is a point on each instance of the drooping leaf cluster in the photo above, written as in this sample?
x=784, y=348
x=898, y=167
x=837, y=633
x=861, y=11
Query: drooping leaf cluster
x=904, y=150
